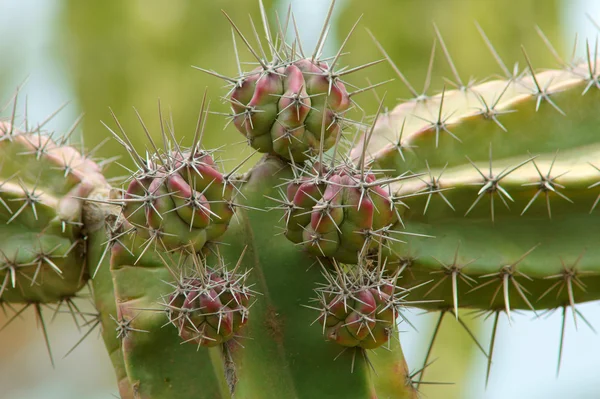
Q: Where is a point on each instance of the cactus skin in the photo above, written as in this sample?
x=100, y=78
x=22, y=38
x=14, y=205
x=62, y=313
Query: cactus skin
x=156, y=285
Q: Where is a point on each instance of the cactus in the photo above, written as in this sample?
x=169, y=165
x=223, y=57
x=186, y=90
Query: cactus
x=482, y=197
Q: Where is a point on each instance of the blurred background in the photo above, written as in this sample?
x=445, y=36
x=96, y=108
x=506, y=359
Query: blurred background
x=120, y=54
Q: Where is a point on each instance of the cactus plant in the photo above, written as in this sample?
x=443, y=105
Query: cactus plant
x=289, y=280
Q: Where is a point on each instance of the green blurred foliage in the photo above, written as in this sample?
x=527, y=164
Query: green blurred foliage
x=131, y=53
x=405, y=30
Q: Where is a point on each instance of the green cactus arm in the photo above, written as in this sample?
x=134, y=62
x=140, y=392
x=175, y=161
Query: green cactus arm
x=516, y=116
x=485, y=247
x=43, y=182
x=287, y=355
x=41, y=222
x=521, y=212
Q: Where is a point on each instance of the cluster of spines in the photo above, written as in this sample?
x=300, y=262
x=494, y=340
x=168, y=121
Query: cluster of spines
x=208, y=305
x=177, y=196
x=358, y=307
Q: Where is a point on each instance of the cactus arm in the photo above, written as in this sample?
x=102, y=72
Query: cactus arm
x=287, y=356
x=488, y=246
x=517, y=216
x=510, y=115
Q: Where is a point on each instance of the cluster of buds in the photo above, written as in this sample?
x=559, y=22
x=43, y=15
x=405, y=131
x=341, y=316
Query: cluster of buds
x=184, y=201
x=209, y=306
x=340, y=211
x=293, y=104
x=359, y=306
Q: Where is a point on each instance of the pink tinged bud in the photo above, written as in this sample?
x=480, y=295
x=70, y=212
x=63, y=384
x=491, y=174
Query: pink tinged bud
x=380, y=334
x=385, y=215
x=295, y=104
x=320, y=244
x=243, y=93
x=327, y=213
x=359, y=325
x=364, y=302
x=386, y=315
x=133, y=200
x=192, y=207
x=240, y=317
x=342, y=336
x=159, y=206
x=203, y=176
x=338, y=308
x=314, y=125
x=286, y=139
x=266, y=86
x=222, y=322
x=307, y=195
x=209, y=336
x=360, y=208
x=209, y=302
